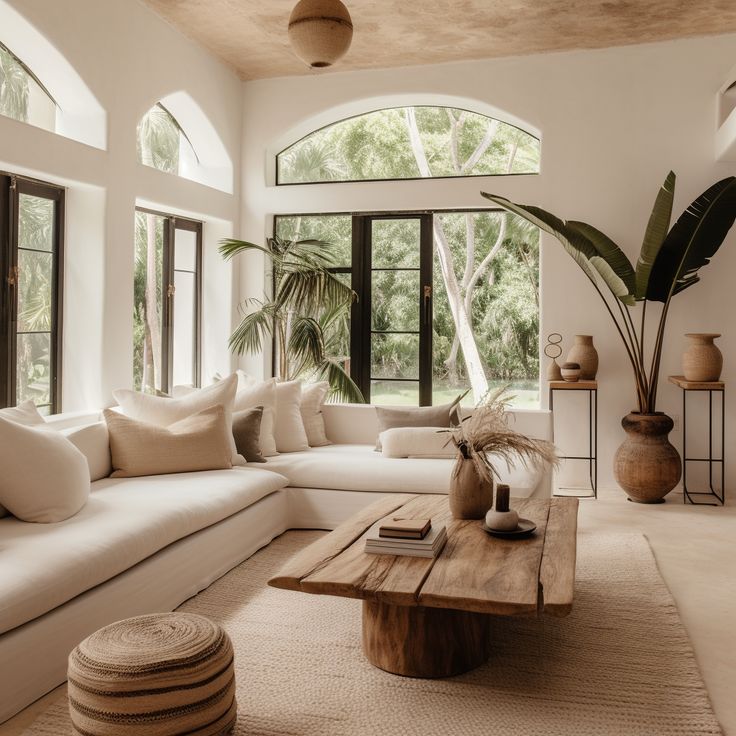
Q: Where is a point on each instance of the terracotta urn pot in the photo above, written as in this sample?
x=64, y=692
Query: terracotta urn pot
x=646, y=465
x=585, y=355
x=702, y=361
x=470, y=495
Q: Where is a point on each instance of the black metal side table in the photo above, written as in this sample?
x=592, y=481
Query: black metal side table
x=712, y=496
x=592, y=457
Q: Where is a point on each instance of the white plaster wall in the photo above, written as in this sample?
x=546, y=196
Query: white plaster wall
x=613, y=123
x=129, y=58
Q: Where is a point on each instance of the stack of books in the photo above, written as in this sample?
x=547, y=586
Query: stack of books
x=411, y=537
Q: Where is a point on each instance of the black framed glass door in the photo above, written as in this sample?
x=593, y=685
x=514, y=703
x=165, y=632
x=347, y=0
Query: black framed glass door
x=391, y=343
x=31, y=265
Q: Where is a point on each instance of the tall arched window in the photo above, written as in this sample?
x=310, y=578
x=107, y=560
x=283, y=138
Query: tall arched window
x=22, y=96
x=409, y=143
x=163, y=144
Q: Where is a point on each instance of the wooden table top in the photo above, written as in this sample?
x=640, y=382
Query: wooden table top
x=474, y=572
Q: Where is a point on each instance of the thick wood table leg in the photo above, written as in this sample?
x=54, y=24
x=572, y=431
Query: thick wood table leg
x=424, y=642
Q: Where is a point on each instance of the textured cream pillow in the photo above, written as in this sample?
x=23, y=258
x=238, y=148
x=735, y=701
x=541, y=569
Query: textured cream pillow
x=313, y=396
x=426, y=442
x=25, y=413
x=289, y=428
x=199, y=442
x=44, y=477
x=261, y=393
x=163, y=411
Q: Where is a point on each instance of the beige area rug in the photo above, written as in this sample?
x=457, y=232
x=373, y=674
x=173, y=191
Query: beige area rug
x=620, y=665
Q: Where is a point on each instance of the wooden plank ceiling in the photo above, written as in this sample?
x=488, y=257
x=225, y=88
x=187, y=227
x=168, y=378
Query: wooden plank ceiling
x=250, y=35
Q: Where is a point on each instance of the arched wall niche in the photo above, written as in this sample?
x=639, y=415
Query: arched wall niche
x=79, y=115
x=213, y=166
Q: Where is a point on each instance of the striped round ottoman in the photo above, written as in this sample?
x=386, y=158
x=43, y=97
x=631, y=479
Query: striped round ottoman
x=164, y=674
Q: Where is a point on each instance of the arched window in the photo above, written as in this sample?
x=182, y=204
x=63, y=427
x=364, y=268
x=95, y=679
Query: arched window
x=22, y=96
x=163, y=144
x=409, y=143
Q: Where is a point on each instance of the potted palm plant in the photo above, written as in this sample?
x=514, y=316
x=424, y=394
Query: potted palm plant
x=646, y=465
x=306, y=316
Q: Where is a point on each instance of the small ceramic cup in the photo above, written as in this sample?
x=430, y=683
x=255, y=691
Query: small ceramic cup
x=570, y=372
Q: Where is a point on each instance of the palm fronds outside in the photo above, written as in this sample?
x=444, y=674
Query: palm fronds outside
x=308, y=303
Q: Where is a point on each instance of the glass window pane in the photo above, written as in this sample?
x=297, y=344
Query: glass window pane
x=395, y=392
x=395, y=243
x=185, y=250
x=395, y=356
x=147, y=301
x=395, y=300
x=35, y=289
x=337, y=230
x=33, y=376
x=496, y=258
x=409, y=142
x=35, y=222
x=185, y=314
x=21, y=97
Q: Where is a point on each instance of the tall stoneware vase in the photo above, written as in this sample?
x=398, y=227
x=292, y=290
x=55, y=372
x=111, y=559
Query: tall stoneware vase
x=583, y=353
x=470, y=495
x=646, y=465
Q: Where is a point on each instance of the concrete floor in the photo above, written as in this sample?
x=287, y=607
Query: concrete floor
x=695, y=549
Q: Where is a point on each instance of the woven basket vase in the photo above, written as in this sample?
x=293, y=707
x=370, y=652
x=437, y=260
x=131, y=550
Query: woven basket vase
x=164, y=674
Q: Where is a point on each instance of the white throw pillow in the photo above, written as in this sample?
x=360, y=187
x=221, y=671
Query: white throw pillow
x=313, y=396
x=426, y=442
x=261, y=393
x=25, y=413
x=164, y=411
x=289, y=429
x=93, y=442
x=45, y=478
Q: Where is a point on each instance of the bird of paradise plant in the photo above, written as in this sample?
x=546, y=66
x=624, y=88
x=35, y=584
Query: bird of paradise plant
x=668, y=264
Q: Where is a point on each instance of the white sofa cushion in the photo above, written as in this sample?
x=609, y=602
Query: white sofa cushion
x=44, y=477
x=125, y=521
x=25, y=413
x=164, y=411
x=360, y=468
x=427, y=442
x=94, y=443
x=289, y=429
x=313, y=396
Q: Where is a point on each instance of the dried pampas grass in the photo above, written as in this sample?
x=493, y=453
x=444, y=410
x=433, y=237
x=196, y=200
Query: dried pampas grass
x=486, y=432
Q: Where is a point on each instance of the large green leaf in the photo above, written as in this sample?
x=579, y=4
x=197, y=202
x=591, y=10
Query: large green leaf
x=306, y=342
x=611, y=262
x=307, y=291
x=230, y=247
x=656, y=232
x=693, y=240
x=249, y=335
x=579, y=246
x=343, y=387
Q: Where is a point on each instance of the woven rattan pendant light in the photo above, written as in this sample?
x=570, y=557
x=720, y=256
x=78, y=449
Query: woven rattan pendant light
x=320, y=31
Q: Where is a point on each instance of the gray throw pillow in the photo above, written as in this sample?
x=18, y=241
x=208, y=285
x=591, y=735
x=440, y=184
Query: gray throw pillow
x=417, y=416
x=247, y=432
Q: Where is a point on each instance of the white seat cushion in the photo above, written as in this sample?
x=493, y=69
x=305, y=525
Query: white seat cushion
x=360, y=468
x=125, y=521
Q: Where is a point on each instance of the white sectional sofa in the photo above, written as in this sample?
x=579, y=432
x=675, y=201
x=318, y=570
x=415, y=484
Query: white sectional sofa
x=147, y=544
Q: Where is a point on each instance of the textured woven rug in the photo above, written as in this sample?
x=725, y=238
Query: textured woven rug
x=620, y=665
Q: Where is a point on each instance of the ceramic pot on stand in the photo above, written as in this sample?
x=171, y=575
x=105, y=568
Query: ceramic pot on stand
x=702, y=361
x=583, y=353
x=470, y=495
x=646, y=465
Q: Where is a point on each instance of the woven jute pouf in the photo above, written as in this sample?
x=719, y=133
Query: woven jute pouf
x=164, y=674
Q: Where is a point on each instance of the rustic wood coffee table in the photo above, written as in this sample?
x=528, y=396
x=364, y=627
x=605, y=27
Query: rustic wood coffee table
x=430, y=617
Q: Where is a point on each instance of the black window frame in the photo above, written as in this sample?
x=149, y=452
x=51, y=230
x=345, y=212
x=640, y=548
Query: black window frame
x=360, y=270
x=172, y=223
x=12, y=186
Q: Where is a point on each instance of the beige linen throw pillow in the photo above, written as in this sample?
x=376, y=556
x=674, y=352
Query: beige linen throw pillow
x=199, y=442
x=313, y=396
x=163, y=411
x=444, y=415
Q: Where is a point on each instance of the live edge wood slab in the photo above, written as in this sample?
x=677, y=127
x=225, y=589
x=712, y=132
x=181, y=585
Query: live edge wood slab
x=430, y=617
